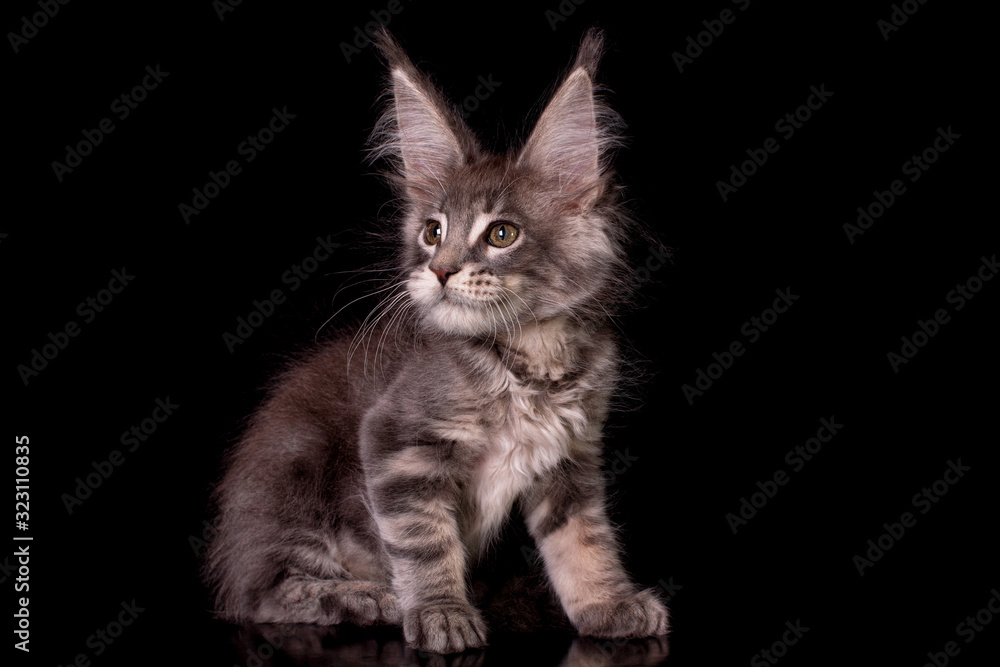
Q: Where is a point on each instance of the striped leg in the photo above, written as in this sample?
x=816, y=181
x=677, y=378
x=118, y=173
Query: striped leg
x=415, y=504
x=581, y=556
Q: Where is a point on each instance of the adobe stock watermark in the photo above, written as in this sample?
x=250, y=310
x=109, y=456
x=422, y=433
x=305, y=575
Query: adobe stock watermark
x=132, y=438
x=294, y=276
x=752, y=329
x=30, y=25
x=248, y=149
x=926, y=498
x=562, y=12
x=122, y=107
x=362, y=38
x=7, y=569
x=223, y=7
x=713, y=29
x=914, y=168
x=787, y=125
x=59, y=341
x=481, y=93
x=104, y=637
x=926, y=329
x=898, y=17
x=23, y=613
x=797, y=457
x=655, y=261
x=209, y=531
x=621, y=463
x=273, y=640
x=779, y=649
x=967, y=630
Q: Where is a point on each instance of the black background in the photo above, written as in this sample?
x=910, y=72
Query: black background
x=825, y=358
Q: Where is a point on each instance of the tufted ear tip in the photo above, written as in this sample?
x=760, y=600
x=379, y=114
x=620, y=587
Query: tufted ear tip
x=420, y=134
x=570, y=139
x=590, y=52
x=388, y=47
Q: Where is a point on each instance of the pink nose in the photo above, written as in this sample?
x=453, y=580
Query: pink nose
x=443, y=274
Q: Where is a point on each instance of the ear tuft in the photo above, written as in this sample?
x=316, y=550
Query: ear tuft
x=571, y=140
x=419, y=132
x=428, y=147
x=590, y=52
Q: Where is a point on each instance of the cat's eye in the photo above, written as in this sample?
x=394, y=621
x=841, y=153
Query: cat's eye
x=432, y=233
x=502, y=234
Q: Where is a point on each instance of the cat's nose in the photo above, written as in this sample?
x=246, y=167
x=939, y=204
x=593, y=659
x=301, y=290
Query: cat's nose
x=443, y=274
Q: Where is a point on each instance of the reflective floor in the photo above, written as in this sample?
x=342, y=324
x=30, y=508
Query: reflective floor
x=346, y=645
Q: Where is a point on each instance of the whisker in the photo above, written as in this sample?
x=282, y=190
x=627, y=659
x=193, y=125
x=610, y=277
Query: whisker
x=404, y=322
x=388, y=269
x=374, y=325
x=590, y=296
x=380, y=348
x=520, y=327
x=530, y=311
x=509, y=308
x=362, y=329
x=364, y=296
x=572, y=313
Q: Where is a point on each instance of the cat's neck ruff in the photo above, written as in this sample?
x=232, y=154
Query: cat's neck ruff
x=542, y=350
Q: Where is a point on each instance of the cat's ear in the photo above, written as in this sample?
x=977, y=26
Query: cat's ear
x=572, y=136
x=419, y=132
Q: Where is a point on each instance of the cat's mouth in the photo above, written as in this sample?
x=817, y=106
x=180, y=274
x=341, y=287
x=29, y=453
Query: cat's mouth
x=460, y=300
x=465, y=297
x=458, y=313
x=468, y=305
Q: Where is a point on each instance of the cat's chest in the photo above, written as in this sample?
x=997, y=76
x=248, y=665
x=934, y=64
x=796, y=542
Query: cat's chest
x=533, y=432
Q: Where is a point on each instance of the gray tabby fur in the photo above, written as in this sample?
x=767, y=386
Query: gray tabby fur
x=381, y=466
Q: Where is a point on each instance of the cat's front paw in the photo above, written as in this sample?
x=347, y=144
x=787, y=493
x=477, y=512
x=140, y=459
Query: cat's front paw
x=639, y=615
x=445, y=628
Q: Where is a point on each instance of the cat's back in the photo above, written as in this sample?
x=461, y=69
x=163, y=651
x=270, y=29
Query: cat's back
x=334, y=382
x=305, y=431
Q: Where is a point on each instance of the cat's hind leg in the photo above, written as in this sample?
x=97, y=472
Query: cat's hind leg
x=302, y=575
x=302, y=598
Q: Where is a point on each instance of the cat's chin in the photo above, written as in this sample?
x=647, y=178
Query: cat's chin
x=461, y=318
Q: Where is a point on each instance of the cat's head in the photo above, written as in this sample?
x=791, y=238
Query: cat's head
x=489, y=241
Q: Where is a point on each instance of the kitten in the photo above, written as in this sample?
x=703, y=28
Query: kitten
x=366, y=495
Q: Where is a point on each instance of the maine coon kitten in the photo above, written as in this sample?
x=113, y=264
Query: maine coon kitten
x=365, y=495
